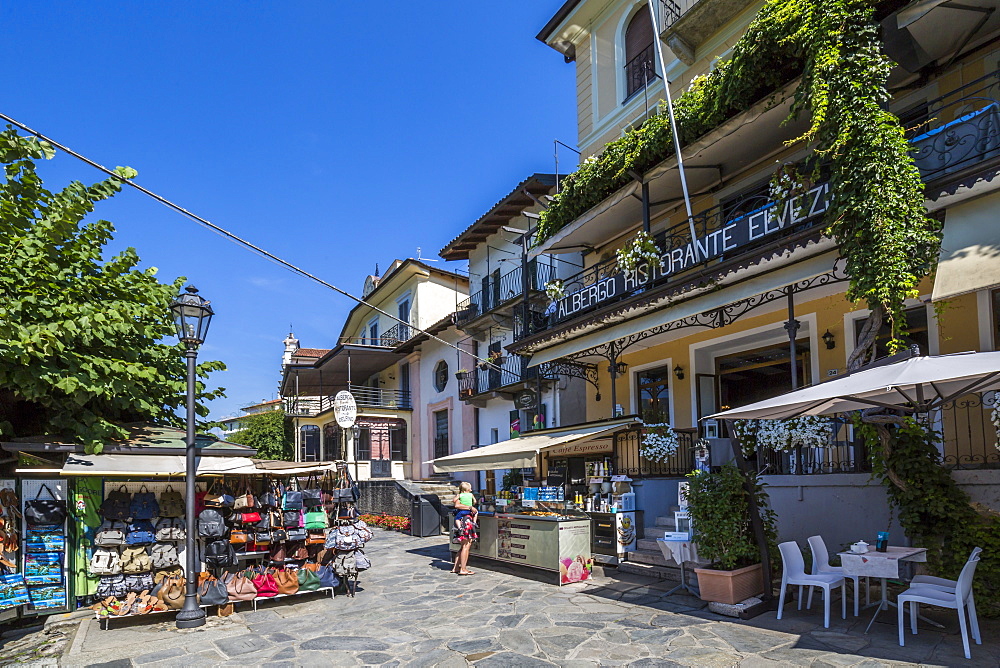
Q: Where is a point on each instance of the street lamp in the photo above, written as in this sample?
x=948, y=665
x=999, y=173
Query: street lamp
x=192, y=316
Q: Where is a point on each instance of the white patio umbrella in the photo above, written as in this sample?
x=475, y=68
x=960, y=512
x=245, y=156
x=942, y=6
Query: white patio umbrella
x=918, y=385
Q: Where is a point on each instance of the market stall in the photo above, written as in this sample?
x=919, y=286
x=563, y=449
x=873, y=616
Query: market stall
x=575, y=509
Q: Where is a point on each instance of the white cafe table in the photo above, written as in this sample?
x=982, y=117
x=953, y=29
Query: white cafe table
x=882, y=565
x=681, y=552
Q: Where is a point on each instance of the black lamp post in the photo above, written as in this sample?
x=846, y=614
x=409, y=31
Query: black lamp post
x=192, y=315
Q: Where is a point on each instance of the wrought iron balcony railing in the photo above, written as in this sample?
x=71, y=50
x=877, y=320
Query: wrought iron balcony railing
x=366, y=397
x=508, y=288
x=640, y=71
x=398, y=334
x=957, y=130
x=510, y=370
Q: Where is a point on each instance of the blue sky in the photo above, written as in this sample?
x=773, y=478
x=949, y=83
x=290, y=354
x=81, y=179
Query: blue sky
x=334, y=134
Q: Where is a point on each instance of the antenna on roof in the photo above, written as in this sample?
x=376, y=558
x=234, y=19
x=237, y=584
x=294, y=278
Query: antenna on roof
x=424, y=259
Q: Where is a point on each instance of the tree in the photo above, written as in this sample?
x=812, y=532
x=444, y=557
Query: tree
x=270, y=433
x=81, y=338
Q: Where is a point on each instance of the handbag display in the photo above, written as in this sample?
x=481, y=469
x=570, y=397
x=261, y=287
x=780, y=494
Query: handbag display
x=172, y=592
x=219, y=497
x=39, y=511
x=297, y=551
x=171, y=529
x=219, y=553
x=110, y=533
x=140, y=532
x=240, y=587
x=278, y=552
x=316, y=538
x=361, y=560
x=308, y=580
x=139, y=582
x=364, y=532
x=297, y=534
x=213, y=591
x=112, y=585
x=287, y=581
x=116, y=505
x=211, y=524
x=265, y=584
x=144, y=505
x=261, y=538
x=270, y=498
x=164, y=555
x=250, y=518
x=317, y=518
x=136, y=560
x=105, y=562
x=291, y=519
x=278, y=535
x=244, y=500
x=238, y=537
x=312, y=495
x=171, y=503
x=327, y=578
x=292, y=498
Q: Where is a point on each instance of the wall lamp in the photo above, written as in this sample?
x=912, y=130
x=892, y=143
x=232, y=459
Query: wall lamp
x=679, y=372
x=829, y=340
x=618, y=368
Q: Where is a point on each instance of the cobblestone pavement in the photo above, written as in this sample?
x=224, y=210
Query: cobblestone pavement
x=410, y=611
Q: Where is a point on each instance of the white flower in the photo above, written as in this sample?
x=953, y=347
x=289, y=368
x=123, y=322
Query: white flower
x=808, y=431
x=555, y=289
x=995, y=415
x=659, y=442
x=641, y=250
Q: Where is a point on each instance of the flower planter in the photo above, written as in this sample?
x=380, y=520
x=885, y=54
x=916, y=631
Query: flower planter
x=730, y=586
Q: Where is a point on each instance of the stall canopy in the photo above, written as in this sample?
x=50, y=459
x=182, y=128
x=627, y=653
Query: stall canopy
x=918, y=384
x=165, y=466
x=521, y=452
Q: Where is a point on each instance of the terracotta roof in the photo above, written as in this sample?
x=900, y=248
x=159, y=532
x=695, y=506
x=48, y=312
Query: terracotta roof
x=511, y=206
x=310, y=352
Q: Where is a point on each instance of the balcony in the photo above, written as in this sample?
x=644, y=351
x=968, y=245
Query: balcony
x=687, y=24
x=505, y=378
x=398, y=334
x=629, y=460
x=366, y=397
x=500, y=294
x=958, y=131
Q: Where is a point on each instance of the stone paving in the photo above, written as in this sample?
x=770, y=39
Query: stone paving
x=410, y=611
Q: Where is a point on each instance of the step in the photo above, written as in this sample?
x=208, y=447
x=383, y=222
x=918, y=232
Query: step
x=665, y=523
x=648, y=544
x=654, y=558
x=649, y=570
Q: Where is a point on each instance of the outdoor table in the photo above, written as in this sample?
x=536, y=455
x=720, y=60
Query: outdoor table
x=882, y=565
x=681, y=552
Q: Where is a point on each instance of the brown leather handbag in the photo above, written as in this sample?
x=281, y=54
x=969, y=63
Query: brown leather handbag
x=287, y=581
x=297, y=550
x=240, y=587
x=238, y=537
x=172, y=592
x=316, y=538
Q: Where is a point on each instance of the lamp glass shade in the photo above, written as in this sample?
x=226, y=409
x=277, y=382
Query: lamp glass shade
x=192, y=316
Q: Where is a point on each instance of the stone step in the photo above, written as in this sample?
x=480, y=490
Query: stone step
x=654, y=558
x=666, y=523
x=648, y=545
x=650, y=570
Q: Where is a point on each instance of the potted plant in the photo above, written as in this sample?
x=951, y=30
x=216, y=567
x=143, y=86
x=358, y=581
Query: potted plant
x=461, y=374
x=718, y=503
x=496, y=358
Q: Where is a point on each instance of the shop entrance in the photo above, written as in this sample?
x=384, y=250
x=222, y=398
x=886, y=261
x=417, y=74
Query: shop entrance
x=761, y=373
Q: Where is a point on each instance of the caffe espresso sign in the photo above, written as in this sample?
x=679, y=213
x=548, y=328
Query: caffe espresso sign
x=748, y=228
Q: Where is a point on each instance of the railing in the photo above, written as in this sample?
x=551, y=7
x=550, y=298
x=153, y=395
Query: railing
x=629, y=461
x=670, y=11
x=532, y=323
x=639, y=71
x=958, y=129
x=846, y=453
x=969, y=439
x=508, y=288
x=398, y=334
x=366, y=397
x=606, y=283
x=513, y=369
x=363, y=341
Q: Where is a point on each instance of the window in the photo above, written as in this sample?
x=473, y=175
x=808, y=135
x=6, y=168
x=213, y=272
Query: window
x=442, y=448
x=441, y=376
x=331, y=442
x=397, y=442
x=639, y=53
x=996, y=319
x=404, y=316
x=916, y=332
x=653, y=392
x=309, y=442
x=373, y=333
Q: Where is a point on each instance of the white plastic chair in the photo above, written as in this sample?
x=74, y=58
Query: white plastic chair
x=793, y=572
x=821, y=565
x=956, y=600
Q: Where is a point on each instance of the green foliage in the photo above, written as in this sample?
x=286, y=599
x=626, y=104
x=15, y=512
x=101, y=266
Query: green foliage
x=719, y=505
x=271, y=433
x=934, y=511
x=80, y=337
x=511, y=479
x=876, y=214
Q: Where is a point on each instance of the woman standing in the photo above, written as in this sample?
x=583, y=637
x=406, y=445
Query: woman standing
x=465, y=527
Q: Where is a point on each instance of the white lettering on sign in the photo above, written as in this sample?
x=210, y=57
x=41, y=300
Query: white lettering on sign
x=744, y=230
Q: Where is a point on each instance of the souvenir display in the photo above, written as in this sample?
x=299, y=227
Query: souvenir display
x=49, y=539
x=43, y=568
x=12, y=591
x=47, y=598
x=42, y=511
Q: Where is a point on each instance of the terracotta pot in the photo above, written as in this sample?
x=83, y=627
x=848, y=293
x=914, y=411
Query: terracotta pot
x=730, y=586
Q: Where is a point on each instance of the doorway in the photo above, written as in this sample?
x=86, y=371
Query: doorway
x=761, y=373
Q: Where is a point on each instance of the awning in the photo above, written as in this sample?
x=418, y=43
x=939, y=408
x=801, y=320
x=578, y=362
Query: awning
x=970, y=249
x=521, y=452
x=166, y=466
x=787, y=275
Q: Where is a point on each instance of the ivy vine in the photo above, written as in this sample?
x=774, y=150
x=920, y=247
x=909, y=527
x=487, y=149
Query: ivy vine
x=876, y=212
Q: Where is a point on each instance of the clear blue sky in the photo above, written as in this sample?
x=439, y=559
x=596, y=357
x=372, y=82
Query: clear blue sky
x=334, y=134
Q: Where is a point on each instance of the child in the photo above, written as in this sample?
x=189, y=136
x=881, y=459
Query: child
x=466, y=498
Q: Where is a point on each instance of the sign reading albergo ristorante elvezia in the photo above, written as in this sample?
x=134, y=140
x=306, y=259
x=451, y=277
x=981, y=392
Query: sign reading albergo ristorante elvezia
x=748, y=228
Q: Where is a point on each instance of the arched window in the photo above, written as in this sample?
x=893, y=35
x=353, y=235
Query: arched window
x=639, y=53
